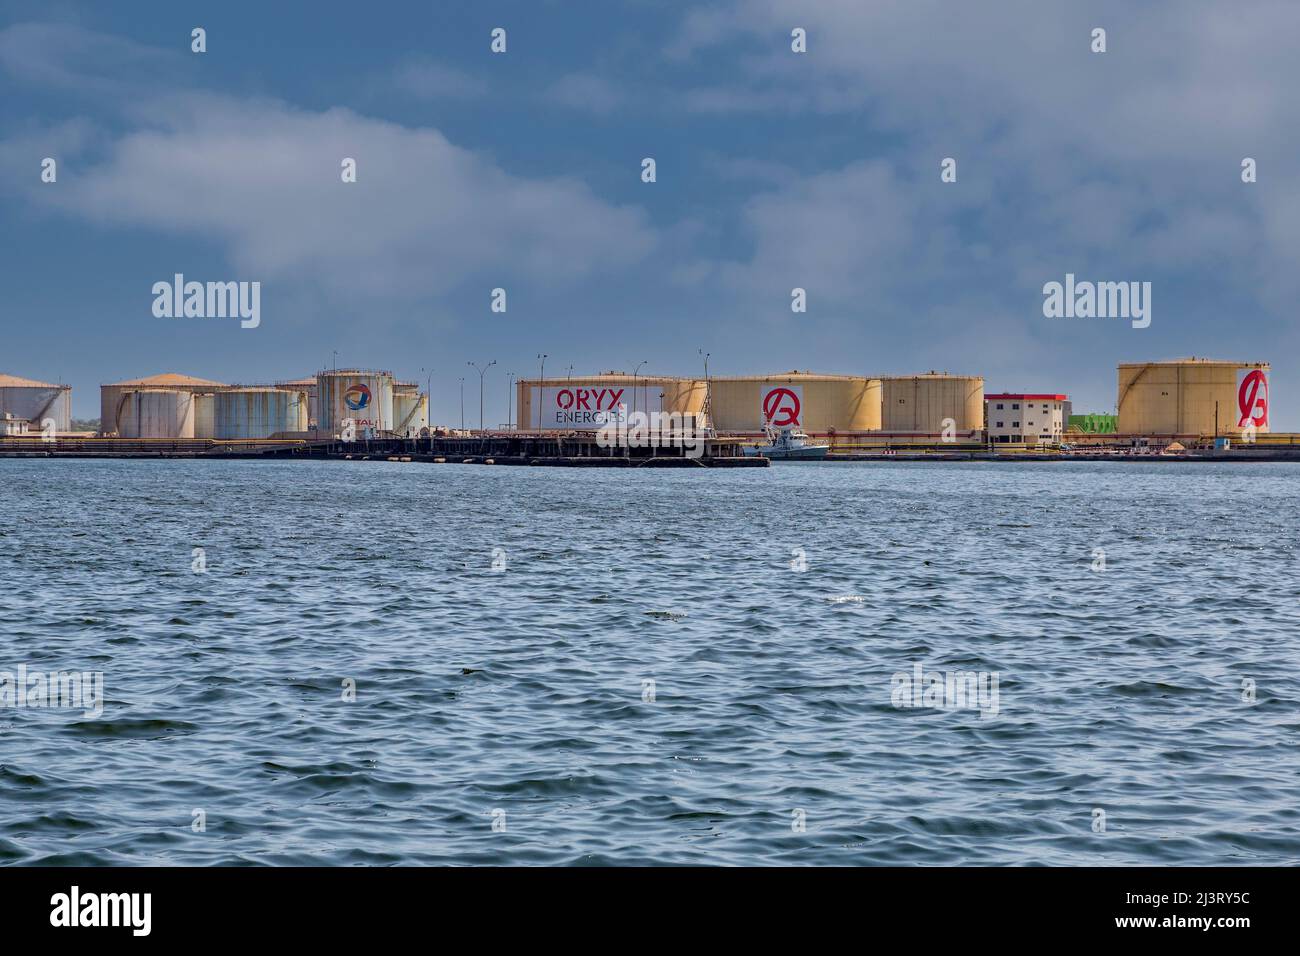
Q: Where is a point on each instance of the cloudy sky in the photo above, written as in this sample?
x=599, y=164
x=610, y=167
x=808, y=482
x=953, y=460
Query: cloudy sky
x=775, y=170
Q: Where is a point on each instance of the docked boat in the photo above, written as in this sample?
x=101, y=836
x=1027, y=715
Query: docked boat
x=790, y=444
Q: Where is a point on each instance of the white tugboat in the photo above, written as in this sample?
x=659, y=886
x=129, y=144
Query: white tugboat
x=789, y=444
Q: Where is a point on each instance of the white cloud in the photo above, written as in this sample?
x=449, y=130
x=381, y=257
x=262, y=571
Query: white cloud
x=1176, y=74
x=64, y=56
x=427, y=80
x=585, y=91
x=1128, y=160
x=701, y=28
x=425, y=215
x=830, y=233
x=261, y=179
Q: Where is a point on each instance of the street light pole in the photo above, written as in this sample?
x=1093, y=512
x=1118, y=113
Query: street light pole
x=482, y=370
x=708, y=391
x=510, y=394
x=428, y=397
x=462, y=404
x=635, y=372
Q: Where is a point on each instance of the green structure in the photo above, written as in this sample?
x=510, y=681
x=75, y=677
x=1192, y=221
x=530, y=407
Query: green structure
x=1093, y=424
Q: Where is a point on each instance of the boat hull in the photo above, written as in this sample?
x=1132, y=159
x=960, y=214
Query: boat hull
x=815, y=453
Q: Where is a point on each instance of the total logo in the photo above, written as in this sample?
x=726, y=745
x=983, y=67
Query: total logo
x=357, y=396
x=783, y=406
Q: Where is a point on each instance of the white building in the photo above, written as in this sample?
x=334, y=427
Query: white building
x=1027, y=419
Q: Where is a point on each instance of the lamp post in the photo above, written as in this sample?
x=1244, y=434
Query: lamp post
x=482, y=370
x=510, y=394
x=428, y=396
x=636, y=371
x=708, y=390
x=462, y=404
x=541, y=376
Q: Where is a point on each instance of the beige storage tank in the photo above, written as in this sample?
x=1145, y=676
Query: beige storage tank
x=1193, y=396
x=112, y=397
x=410, y=410
x=26, y=399
x=364, y=397
x=819, y=404
x=921, y=404
x=588, y=402
x=259, y=412
x=156, y=413
x=682, y=396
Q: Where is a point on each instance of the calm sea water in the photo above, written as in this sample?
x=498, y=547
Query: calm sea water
x=504, y=715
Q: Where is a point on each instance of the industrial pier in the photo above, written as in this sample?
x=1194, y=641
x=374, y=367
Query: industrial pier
x=575, y=450
x=503, y=449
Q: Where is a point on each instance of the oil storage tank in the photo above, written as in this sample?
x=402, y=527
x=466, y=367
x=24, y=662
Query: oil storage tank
x=205, y=414
x=922, y=404
x=589, y=402
x=307, y=385
x=362, y=396
x=1193, y=397
x=28, y=400
x=156, y=413
x=410, y=409
x=257, y=412
x=113, y=397
x=819, y=404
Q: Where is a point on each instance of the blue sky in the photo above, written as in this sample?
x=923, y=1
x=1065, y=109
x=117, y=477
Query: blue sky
x=522, y=171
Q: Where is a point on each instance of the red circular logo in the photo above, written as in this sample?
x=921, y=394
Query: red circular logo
x=1252, y=399
x=783, y=402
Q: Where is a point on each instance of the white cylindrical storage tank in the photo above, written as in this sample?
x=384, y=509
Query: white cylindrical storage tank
x=307, y=385
x=29, y=400
x=410, y=411
x=364, y=397
x=157, y=413
x=248, y=413
x=113, y=397
x=205, y=411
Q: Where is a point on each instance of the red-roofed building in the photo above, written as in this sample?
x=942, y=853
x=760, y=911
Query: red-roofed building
x=1034, y=419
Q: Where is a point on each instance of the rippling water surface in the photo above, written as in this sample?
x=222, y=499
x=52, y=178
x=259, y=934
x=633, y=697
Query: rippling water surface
x=519, y=697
